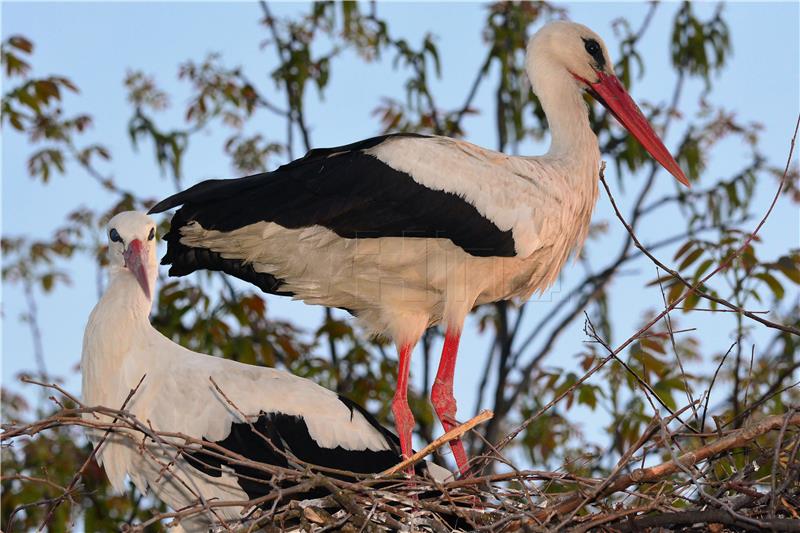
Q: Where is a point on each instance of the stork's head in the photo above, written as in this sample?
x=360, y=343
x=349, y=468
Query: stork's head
x=572, y=50
x=132, y=247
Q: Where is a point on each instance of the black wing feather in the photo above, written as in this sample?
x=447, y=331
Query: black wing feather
x=274, y=436
x=352, y=193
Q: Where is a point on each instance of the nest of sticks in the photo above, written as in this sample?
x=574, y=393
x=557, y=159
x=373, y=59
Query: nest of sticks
x=743, y=479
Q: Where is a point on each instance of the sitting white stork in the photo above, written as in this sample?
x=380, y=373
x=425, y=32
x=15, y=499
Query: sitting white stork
x=406, y=231
x=300, y=418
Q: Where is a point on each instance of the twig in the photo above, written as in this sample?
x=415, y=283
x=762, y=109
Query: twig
x=711, y=516
x=88, y=460
x=590, y=330
x=623, y=461
x=735, y=439
x=711, y=386
x=611, y=517
x=668, y=321
x=776, y=462
x=31, y=381
x=32, y=479
x=692, y=288
x=695, y=287
x=454, y=433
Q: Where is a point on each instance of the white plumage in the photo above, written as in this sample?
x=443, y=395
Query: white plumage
x=399, y=286
x=120, y=347
x=406, y=231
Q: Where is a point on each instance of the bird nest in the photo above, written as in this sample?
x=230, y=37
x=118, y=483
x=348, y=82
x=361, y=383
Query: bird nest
x=684, y=493
x=729, y=480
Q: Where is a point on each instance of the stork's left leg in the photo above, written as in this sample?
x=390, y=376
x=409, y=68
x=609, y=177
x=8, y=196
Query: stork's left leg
x=442, y=395
x=403, y=418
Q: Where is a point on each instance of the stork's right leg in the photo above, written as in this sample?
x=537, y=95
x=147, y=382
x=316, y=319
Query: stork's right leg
x=442, y=396
x=403, y=418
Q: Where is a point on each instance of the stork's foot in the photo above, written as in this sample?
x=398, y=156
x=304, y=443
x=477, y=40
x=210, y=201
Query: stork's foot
x=445, y=406
x=404, y=424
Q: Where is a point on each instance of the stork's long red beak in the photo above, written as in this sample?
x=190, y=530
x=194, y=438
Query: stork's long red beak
x=609, y=91
x=135, y=261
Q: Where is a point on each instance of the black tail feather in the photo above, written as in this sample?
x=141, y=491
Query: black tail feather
x=207, y=191
x=185, y=259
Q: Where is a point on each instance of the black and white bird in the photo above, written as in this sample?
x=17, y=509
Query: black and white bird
x=406, y=231
x=299, y=417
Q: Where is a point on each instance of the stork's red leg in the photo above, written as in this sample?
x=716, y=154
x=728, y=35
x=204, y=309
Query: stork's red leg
x=403, y=418
x=442, y=395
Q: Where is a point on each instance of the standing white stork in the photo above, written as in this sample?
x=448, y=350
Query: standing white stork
x=406, y=231
x=300, y=418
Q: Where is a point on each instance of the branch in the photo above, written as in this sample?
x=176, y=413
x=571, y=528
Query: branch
x=505, y=499
x=735, y=439
x=88, y=460
x=711, y=516
x=724, y=264
x=692, y=288
x=453, y=434
x=26, y=379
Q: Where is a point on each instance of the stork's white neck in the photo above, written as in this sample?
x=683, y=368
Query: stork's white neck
x=125, y=297
x=116, y=322
x=573, y=147
x=567, y=114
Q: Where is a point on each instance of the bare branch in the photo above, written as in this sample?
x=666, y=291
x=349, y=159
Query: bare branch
x=454, y=433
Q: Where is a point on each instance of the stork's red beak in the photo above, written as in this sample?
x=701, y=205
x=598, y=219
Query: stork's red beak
x=609, y=91
x=136, y=262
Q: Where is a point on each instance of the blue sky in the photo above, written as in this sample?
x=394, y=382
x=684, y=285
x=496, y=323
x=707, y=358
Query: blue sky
x=96, y=43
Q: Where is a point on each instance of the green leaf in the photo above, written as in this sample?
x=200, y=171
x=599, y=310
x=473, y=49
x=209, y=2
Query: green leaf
x=675, y=291
x=691, y=258
x=691, y=301
x=702, y=268
x=667, y=278
x=587, y=395
x=683, y=249
x=789, y=268
x=774, y=285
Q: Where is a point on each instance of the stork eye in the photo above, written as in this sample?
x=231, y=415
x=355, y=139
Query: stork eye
x=114, y=235
x=152, y=234
x=593, y=49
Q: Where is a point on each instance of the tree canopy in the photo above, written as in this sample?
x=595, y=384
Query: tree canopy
x=706, y=264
